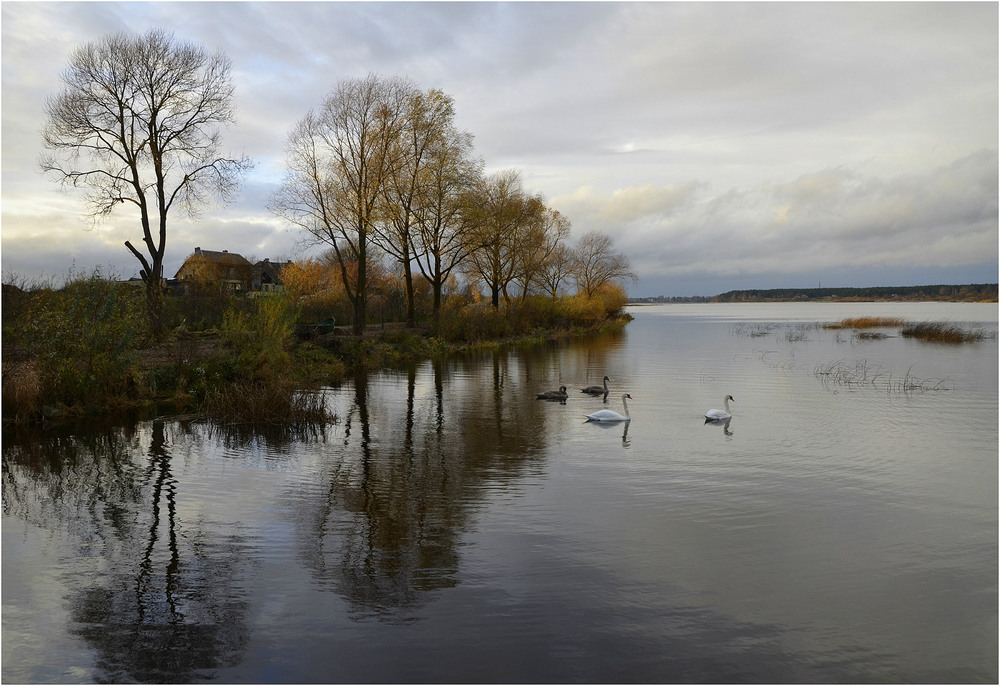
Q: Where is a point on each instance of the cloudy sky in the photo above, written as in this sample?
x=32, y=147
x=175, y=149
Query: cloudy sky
x=721, y=145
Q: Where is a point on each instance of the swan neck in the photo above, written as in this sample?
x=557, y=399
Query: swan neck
x=625, y=404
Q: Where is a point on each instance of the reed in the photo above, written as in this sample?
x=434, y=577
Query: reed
x=253, y=403
x=944, y=332
x=867, y=323
x=863, y=373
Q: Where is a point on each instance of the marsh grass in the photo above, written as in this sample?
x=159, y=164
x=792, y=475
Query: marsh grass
x=944, y=332
x=932, y=332
x=867, y=323
x=793, y=333
x=863, y=373
x=253, y=403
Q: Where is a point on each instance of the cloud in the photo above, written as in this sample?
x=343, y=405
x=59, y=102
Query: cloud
x=830, y=218
x=709, y=139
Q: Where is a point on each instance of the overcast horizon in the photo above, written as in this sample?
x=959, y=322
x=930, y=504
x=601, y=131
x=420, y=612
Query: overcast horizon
x=722, y=146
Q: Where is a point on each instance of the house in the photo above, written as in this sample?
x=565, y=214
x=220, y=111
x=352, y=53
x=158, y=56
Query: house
x=266, y=276
x=225, y=271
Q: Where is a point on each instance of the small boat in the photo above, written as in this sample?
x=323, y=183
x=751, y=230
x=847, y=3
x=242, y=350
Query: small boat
x=325, y=326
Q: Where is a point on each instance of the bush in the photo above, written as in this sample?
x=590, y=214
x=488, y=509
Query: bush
x=256, y=339
x=83, y=340
x=476, y=322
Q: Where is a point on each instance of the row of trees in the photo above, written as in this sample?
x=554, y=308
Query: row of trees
x=379, y=167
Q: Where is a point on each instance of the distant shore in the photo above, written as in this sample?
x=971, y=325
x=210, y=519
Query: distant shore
x=937, y=293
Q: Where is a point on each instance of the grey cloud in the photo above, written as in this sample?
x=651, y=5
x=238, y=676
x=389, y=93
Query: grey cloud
x=715, y=138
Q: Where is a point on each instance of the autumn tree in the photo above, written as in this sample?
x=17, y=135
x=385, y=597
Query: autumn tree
x=426, y=121
x=557, y=269
x=595, y=263
x=138, y=124
x=540, y=246
x=442, y=217
x=341, y=159
x=501, y=214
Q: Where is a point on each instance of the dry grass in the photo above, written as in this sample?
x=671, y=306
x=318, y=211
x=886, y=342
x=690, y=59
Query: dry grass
x=254, y=404
x=867, y=323
x=943, y=332
x=863, y=373
x=21, y=389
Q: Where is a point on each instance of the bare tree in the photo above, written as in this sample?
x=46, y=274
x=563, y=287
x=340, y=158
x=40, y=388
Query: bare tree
x=556, y=269
x=138, y=123
x=540, y=247
x=595, y=263
x=341, y=159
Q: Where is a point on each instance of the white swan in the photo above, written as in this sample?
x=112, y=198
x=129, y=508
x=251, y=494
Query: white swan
x=611, y=415
x=561, y=394
x=721, y=414
x=597, y=390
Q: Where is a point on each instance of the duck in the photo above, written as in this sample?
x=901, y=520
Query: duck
x=611, y=415
x=561, y=394
x=721, y=414
x=597, y=390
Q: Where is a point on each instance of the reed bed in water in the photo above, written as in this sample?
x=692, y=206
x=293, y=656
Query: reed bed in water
x=935, y=332
x=866, y=323
x=254, y=403
x=864, y=373
x=943, y=332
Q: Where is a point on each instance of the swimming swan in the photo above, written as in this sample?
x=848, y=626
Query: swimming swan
x=611, y=415
x=720, y=414
x=561, y=394
x=597, y=390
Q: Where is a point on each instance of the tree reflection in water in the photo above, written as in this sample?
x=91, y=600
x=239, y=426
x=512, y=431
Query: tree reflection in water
x=388, y=528
x=158, y=602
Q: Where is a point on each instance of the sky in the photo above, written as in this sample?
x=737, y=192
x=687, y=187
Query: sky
x=721, y=145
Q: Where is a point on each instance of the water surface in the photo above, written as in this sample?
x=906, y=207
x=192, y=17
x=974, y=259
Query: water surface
x=452, y=528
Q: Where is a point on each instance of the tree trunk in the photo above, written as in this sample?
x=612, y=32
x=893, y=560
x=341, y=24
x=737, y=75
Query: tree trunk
x=154, y=307
x=437, y=307
x=411, y=316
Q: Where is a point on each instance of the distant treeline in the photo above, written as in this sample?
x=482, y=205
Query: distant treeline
x=673, y=299
x=975, y=292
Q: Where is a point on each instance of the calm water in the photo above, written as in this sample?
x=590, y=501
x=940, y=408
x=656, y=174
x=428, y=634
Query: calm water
x=452, y=528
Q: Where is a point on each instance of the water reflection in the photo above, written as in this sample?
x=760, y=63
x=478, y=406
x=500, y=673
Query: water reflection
x=385, y=530
x=724, y=423
x=152, y=592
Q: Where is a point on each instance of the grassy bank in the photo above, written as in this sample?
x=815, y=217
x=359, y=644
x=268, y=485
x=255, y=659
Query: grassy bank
x=84, y=349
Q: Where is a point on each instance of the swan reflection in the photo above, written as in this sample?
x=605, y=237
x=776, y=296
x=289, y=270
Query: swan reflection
x=626, y=441
x=724, y=423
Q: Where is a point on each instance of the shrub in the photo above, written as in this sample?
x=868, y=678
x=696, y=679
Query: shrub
x=476, y=322
x=256, y=341
x=83, y=340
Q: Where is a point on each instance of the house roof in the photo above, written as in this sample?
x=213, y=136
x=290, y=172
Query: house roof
x=217, y=257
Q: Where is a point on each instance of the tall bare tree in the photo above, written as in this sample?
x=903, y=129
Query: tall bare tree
x=557, y=269
x=341, y=159
x=539, y=248
x=442, y=218
x=138, y=123
x=596, y=262
x=426, y=121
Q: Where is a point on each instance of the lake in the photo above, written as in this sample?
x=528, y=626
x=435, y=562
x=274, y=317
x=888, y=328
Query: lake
x=450, y=527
